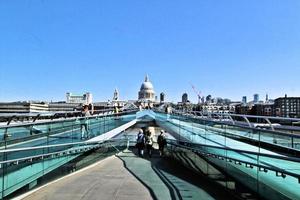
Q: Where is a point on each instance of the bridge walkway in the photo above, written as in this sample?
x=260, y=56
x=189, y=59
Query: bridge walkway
x=127, y=176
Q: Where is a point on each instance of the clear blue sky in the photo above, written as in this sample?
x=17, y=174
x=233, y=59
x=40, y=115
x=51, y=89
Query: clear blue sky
x=225, y=48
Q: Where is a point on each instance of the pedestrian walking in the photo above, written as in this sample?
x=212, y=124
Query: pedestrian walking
x=85, y=121
x=149, y=143
x=140, y=142
x=161, y=140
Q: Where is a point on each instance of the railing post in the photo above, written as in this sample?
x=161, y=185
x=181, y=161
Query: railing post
x=247, y=120
x=233, y=122
x=269, y=122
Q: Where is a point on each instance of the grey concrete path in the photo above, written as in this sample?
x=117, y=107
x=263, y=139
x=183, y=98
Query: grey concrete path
x=107, y=180
x=127, y=176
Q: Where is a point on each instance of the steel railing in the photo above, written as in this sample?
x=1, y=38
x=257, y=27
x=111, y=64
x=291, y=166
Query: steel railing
x=202, y=150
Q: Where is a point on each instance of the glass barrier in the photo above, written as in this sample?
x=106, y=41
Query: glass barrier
x=30, y=152
x=61, y=131
x=28, y=166
x=236, y=157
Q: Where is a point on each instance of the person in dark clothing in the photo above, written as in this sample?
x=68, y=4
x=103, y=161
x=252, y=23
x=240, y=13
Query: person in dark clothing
x=140, y=143
x=161, y=140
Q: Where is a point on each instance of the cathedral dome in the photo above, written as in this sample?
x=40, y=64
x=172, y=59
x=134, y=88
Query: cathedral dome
x=147, y=86
x=146, y=92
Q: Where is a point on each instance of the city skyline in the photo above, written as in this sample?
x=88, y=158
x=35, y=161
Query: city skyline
x=228, y=50
x=191, y=98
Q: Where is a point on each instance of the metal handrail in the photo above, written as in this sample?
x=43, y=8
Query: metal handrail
x=245, y=137
x=50, y=113
x=246, y=127
x=251, y=116
x=65, y=119
x=259, y=166
x=73, y=149
x=281, y=157
x=56, y=145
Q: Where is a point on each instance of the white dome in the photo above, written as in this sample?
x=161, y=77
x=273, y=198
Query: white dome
x=146, y=92
x=147, y=86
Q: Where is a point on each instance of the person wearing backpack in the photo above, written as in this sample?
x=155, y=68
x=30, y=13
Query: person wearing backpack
x=161, y=140
x=140, y=142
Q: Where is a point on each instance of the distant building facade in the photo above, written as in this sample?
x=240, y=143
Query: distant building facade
x=287, y=106
x=86, y=98
x=63, y=106
x=185, y=98
x=263, y=109
x=280, y=107
x=244, y=99
x=260, y=108
x=24, y=107
x=215, y=108
x=162, y=97
x=255, y=98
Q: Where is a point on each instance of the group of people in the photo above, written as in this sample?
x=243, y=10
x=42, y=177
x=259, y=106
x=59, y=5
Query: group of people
x=145, y=140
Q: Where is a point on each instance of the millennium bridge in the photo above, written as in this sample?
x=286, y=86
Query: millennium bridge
x=207, y=156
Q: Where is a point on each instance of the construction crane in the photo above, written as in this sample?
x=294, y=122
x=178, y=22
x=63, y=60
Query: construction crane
x=198, y=93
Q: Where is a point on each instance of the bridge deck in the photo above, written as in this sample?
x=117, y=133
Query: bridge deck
x=107, y=179
x=127, y=176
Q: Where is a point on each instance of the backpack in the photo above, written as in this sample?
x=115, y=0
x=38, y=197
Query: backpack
x=161, y=139
x=140, y=138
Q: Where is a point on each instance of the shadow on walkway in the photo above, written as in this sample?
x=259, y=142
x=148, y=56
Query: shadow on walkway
x=168, y=179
